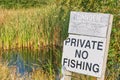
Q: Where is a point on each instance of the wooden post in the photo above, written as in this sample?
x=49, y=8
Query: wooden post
x=66, y=75
x=107, y=48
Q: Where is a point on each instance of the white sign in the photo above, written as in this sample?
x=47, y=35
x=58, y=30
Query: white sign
x=83, y=54
x=91, y=24
x=86, y=48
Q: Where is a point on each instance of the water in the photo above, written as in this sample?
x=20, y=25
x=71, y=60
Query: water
x=26, y=60
x=48, y=59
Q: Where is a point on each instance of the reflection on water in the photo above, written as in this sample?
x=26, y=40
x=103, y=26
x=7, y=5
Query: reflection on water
x=17, y=60
x=26, y=60
x=48, y=59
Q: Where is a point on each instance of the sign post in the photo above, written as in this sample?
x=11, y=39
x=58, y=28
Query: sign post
x=86, y=48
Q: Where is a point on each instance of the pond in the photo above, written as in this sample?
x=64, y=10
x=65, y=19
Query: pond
x=26, y=60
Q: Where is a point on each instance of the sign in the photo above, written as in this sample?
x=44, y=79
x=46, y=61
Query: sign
x=89, y=24
x=85, y=49
x=83, y=54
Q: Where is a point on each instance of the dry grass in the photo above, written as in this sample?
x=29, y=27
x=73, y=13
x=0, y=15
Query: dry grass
x=4, y=72
x=41, y=75
x=10, y=74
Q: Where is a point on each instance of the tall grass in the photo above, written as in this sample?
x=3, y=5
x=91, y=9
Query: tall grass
x=45, y=27
x=24, y=3
x=31, y=27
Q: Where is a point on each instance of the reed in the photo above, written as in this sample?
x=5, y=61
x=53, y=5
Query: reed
x=28, y=27
x=43, y=28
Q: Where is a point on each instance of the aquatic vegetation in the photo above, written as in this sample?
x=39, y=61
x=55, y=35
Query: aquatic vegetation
x=43, y=27
x=10, y=74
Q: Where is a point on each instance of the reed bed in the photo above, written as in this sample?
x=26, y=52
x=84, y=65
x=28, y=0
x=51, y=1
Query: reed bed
x=31, y=27
x=45, y=27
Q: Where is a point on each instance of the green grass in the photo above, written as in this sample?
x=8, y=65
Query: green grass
x=37, y=26
x=16, y=4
